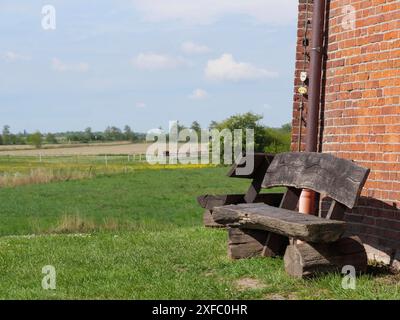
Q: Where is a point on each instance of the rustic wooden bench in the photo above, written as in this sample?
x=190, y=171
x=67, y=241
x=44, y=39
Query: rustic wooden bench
x=313, y=243
x=261, y=164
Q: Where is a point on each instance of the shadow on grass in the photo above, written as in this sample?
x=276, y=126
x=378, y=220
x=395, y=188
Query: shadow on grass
x=382, y=270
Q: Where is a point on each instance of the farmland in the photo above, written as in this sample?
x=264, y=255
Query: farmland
x=20, y=165
x=116, y=148
x=137, y=233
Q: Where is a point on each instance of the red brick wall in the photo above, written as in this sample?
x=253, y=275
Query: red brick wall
x=360, y=114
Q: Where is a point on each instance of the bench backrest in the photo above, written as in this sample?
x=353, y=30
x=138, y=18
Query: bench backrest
x=259, y=160
x=340, y=179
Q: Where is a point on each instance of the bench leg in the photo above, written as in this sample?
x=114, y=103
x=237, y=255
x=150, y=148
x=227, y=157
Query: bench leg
x=309, y=259
x=246, y=243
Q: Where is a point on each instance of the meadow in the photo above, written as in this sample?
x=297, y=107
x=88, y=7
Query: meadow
x=138, y=234
x=115, y=148
x=23, y=170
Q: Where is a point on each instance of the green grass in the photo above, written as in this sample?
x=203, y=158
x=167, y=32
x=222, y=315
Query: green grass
x=151, y=199
x=183, y=263
x=158, y=249
x=22, y=170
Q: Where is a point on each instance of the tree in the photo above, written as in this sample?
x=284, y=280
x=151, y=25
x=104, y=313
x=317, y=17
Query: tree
x=196, y=127
x=18, y=139
x=51, y=138
x=213, y=125
x=6, y=134
x=88, y=134
x=129, y=134
x=287, y=127
x=278, y=140
x=175, y=127
x=181, y=127
x=113, y=134
x=245, y=121
x=35, y=139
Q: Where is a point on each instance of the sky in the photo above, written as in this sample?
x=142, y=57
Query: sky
x=144, y=62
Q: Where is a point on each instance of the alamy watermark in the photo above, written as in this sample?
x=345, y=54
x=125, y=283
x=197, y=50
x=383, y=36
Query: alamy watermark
x=49, y=17
x=186, y=146
x=349, y=279
x=349, y=18
x=49, y=280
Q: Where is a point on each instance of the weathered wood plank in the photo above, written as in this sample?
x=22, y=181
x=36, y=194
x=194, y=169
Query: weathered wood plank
x=308, y=259
x=209, y=222
x=258, y=178
x=211, y=201
x=280, y=221
x=336, y=211
x=340, y=179
x=245, y=243
x=261, y=164
x=290, y=199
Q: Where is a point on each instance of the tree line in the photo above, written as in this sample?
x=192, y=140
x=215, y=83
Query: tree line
x=266, y=139
x=37, y=138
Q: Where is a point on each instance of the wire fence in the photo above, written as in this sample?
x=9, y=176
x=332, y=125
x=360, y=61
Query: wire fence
x=104, y=159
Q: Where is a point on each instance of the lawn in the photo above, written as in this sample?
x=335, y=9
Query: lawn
x=150, y=199
x=139, y=235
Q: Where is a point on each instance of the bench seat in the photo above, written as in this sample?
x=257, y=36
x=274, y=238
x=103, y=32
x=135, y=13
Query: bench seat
x=280, y=221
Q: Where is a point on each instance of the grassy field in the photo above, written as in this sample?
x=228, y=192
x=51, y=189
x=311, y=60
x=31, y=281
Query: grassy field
x=151, y=199
x=139, y=235
x=23, y=170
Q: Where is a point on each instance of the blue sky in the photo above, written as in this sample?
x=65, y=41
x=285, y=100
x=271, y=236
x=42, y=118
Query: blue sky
x=145, y=62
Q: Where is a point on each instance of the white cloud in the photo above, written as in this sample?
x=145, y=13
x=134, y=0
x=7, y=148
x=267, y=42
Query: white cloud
x=199, y=94
x=273, y=12
x=11, y=56
x=154, y=61
x=194, y=48
x=141, y=105
x=226, y=68
x=60, y=66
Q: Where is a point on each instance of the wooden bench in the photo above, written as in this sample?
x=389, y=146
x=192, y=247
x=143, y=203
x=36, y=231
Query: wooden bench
x=266, y=230
x=261, y=164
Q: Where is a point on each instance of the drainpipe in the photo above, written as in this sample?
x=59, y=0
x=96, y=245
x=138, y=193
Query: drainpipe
x=307, y=198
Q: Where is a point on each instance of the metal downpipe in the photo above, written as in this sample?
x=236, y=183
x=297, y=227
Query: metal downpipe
x=307, y=198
